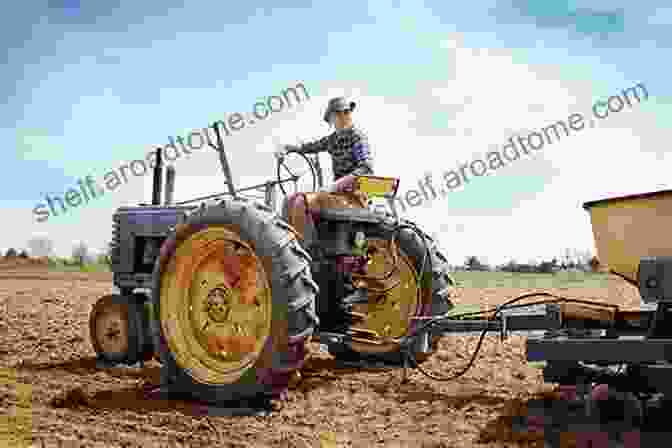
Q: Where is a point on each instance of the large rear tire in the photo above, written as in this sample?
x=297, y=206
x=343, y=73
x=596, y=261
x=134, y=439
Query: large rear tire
x=235, y=303
x=435, y=284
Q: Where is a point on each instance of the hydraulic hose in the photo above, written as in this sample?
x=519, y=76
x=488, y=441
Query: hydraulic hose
x=406, y=347
x=506, y=305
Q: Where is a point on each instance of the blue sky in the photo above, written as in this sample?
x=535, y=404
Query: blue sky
x=90, y=85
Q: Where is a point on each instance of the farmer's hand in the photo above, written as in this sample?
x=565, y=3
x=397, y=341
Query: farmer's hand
x=343, y=185
x=280, y=152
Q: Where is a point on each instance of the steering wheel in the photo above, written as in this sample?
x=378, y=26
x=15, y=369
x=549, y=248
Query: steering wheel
x=293, y=177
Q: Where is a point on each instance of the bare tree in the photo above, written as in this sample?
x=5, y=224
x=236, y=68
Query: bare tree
x=569, y=258
x=473, y=263
x=41, y=246
x=105, y=256
x=583, y=259
x=80, y=253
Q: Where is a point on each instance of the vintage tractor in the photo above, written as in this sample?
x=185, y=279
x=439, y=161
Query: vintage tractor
x=226, y=294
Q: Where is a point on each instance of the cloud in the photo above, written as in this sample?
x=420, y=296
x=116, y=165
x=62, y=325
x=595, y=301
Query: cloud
x=604, y=161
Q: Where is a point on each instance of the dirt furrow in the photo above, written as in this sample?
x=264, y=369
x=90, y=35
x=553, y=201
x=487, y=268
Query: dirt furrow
x=44, y=343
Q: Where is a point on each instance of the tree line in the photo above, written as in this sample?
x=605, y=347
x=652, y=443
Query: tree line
x=583, y=261
x=43, y=247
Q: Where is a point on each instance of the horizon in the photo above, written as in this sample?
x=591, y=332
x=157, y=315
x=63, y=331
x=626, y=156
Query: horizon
x=577, y=256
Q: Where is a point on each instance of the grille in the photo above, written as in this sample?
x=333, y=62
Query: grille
x=115, y=244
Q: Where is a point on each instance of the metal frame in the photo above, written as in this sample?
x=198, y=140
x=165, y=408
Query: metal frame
x=593, y=350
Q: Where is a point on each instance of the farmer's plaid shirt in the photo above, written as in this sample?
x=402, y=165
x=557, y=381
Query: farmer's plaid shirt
x=349, y=150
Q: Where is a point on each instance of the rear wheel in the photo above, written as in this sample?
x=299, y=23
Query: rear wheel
x=415, y=296
x=235, y=303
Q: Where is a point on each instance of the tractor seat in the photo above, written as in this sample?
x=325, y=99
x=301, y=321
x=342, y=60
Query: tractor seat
x=361, y=215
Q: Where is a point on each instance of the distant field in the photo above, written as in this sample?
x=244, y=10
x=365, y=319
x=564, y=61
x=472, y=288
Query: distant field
x=477, y=280
x=559, y=280
x=92, y=267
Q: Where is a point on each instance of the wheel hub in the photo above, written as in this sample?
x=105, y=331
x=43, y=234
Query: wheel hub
x=111, y=329
x=388, y=314
x=218, y=304
x=228, y=327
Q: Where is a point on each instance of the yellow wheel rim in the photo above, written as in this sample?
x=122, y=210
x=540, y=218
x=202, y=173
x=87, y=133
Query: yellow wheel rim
x=215, y=306
x=389, y=314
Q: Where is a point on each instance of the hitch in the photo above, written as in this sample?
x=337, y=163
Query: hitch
x=504, y=324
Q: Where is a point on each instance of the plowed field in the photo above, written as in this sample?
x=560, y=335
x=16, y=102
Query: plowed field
x=52, y=394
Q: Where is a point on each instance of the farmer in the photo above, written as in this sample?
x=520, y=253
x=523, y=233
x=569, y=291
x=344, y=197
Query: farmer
x=350, y=155
x=348, y=146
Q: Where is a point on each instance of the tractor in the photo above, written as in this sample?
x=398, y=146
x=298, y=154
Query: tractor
x=226, y=295
x=226, y=291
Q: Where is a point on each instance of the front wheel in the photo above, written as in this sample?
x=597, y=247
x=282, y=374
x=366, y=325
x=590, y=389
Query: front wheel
x=235, y=303
x=118, y=329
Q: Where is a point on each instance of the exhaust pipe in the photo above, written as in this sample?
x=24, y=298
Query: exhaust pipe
x=156, y=187
x=170, y=185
